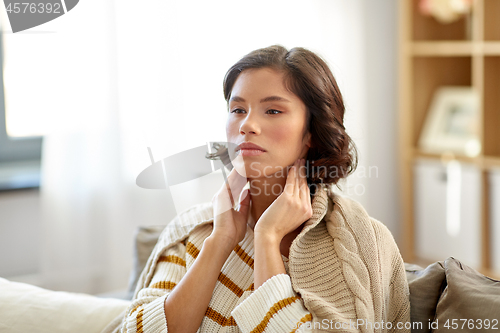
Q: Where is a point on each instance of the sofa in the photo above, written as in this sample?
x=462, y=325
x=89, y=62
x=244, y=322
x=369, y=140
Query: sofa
x=444, y=296
x=449, y=296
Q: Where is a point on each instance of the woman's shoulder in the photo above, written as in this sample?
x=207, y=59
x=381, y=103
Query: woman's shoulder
x=194, y=215
x=192, y=220
x=347, y=212
x=361, y=234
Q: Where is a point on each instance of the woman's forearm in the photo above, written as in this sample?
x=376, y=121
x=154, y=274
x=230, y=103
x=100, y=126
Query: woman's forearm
x=187, y=303
x=268, y=261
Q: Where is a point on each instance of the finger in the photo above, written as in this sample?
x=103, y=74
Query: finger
x=235, y=180
x=306, y=194
x=234, y=185
x=244, y=202
x=303, y=178
x=228, y=193
x=308, y=190
x=304, y=170
x=289, y=184
x=293, y=179
x=296, y=191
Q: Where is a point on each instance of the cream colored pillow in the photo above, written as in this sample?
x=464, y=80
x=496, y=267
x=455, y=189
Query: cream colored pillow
x=27, y=308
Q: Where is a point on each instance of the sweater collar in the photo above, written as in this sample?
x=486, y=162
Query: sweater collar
x=319, y=207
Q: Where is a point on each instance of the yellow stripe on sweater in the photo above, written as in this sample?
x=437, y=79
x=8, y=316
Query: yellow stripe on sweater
x=304, y=319
x=164, y=285
x=135, y=308
x=272, y=311
x=230, y=284
x=244, y=256
x=192, y=250
x=139, y=320
x=173, y=259
x=219, y=319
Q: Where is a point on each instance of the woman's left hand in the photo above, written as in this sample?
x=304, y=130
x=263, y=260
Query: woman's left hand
x=290, y=209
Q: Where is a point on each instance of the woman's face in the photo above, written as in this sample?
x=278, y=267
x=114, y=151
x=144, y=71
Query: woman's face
x=263, y=112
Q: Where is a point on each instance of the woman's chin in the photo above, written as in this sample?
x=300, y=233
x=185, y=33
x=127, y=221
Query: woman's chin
x=240, y=167
x=251, y=169
x=245, y=170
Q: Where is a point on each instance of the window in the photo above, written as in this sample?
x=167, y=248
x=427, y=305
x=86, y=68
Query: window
x=19, y=156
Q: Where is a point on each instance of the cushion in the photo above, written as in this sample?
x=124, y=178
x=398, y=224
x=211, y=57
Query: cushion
x=145, y=241
x=426, y=286
x=470, y=302
x=27, y=308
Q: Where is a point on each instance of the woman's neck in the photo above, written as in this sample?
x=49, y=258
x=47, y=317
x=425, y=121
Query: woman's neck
x=263, y=192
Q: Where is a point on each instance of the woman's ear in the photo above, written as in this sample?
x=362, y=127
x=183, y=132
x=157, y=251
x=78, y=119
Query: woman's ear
x=308, y=140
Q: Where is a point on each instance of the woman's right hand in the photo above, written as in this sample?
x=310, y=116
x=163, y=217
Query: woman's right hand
x=230, y=224
x=187, y=303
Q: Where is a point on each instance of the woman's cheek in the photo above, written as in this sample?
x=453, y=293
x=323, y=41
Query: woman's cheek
x=281, y=134
x=232, y=127
x=281, y=139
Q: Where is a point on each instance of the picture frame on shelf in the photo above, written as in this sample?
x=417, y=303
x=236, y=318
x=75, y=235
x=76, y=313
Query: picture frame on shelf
x=452, y=122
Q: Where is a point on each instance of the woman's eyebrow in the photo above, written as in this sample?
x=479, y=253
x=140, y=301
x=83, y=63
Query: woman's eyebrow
x=267, y=99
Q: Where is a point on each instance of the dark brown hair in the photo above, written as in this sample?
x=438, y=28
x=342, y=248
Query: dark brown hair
x=333, y=154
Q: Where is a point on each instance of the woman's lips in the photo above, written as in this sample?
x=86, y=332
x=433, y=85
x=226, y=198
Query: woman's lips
x=250, y=149
x=251, y=152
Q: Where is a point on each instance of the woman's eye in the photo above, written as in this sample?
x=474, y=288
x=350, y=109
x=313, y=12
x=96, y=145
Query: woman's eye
x=272, y=111
x=237, y=111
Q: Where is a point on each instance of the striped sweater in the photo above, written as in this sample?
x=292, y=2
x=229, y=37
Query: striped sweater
x=344, y=273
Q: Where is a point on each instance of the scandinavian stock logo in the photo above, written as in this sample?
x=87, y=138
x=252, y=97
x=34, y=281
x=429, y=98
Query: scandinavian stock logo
x=24, y=15
x=183, y=167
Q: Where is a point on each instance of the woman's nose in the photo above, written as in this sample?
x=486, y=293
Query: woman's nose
x=249, y=125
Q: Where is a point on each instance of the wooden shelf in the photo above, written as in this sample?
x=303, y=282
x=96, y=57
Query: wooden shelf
x=430, y=73
x=431, y=55
x=484, y=162
x=491, y=48
x=427, y=28
x=491, y=98
x=453, y=48
x=491, y=162
x=441, y=48
x=491, y=14
x=449, y=156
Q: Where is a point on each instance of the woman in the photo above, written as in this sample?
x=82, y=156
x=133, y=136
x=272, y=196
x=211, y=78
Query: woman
x=291, y=255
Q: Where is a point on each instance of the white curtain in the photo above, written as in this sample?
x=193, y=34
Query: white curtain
x=116, y=77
